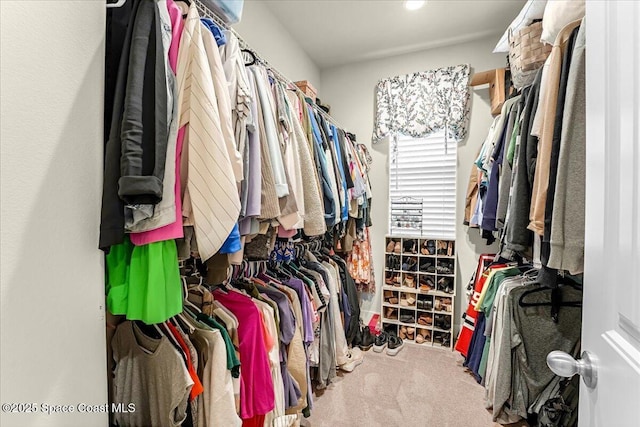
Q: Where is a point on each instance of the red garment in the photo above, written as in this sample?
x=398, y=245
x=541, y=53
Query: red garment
x=470, y=317
x=257, y=421
x=197, y=388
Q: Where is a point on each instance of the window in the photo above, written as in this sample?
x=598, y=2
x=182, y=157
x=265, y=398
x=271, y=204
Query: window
x=422, y=186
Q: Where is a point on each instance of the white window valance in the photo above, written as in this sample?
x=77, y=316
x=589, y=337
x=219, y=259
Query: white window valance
x=420, y=104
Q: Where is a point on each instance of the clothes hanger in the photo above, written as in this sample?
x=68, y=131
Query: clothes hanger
x=555, y=302
x=249, y=57
x=119, y=3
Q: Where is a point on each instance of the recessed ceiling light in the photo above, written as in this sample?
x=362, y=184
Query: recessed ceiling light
x=413, y=4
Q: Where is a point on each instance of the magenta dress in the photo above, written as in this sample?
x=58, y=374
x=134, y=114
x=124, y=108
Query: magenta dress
x=257, y=396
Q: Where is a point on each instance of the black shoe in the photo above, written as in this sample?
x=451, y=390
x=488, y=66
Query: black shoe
x=394, y=345
x=367, y=339
x=380, y=342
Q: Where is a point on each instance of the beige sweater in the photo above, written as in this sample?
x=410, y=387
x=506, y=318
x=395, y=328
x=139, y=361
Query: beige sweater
x=550, y=99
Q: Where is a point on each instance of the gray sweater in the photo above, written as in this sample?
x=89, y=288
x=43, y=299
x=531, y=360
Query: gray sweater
x=567, y=225
x=517, y=237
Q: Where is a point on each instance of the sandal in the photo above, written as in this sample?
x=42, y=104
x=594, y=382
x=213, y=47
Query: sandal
x=411, y=301
x=391, y=245
x=393, y=300
x=403, y=332
x=426, y=284
x=425, y=320
x=404, y=302
x=409, y=281
x=397, y=248
x=419, y=339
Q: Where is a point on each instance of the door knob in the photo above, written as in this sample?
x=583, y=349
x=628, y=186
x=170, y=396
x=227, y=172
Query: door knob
x=565, y=365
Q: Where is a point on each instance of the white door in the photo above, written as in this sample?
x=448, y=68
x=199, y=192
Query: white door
x=611, y=315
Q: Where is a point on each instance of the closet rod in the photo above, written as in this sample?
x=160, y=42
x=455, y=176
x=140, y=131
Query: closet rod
x=244, y=45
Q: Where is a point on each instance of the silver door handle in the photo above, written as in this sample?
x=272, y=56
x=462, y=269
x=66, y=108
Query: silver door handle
x=565, y=365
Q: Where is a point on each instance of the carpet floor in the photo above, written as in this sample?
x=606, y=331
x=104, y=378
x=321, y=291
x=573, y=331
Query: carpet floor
x=419, y=387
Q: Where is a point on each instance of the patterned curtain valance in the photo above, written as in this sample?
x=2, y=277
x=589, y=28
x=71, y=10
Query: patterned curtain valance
x=420, y=104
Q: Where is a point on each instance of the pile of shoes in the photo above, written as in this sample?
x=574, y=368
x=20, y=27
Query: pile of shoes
x=389, y=340
x=442, y=338
x=393, y=263
x=411, y=264
x=410, y=247
x=428, y=247
x=409, y=281
x=445, y=284
x=442, y=321
x=426, y=284
x=423, y=336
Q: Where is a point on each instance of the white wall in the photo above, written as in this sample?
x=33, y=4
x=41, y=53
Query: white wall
x=349, y=89
x=52, y=286
x=261, y=29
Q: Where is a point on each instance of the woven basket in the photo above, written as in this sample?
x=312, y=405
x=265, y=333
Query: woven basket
x=527, y=54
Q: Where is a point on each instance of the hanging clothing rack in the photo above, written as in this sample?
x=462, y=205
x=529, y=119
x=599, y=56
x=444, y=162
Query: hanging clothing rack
x=204, y=10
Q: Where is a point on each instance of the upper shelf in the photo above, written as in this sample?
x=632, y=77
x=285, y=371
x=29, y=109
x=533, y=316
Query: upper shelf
x=495, y=80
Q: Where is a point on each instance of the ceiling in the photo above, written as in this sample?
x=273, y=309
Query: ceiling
x=334, y=32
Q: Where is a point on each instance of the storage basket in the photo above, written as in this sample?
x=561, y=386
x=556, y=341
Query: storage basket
x=527, y=54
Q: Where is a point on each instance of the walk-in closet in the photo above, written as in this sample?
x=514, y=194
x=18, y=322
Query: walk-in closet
x=317, y=213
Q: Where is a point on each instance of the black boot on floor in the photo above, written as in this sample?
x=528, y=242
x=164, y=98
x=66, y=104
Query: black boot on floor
x=367, y=340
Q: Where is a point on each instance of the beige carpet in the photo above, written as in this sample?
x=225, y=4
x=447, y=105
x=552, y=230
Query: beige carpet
x=419, y=387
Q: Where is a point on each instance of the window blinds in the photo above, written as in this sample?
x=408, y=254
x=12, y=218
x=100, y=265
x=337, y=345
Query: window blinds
x=424, y=169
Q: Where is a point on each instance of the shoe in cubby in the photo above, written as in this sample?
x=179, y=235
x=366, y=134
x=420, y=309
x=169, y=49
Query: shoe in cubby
x=423, y=336
x=390, y=328
x=425, y=303
x=442, y=338
x=409, y=263
x=427, y=283
x=409, y=281
x=389, y=277
x=445, y=284
x=425, y=319
x=391, y=313
x=444, y=304
x=391, y=297
x=407, y=299
x=428, y=247
x=442, y=321
x=393, y=263
x=446, y=248
x=410, y=246
x=407, y=316
x=445, y=267
x=391, y=244
x=427, y=265
x=442, y=247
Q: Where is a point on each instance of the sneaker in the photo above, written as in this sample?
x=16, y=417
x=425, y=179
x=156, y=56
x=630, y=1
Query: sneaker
x=394, y=345
x=354, y=359
x=380, y=342
x=367, y=339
